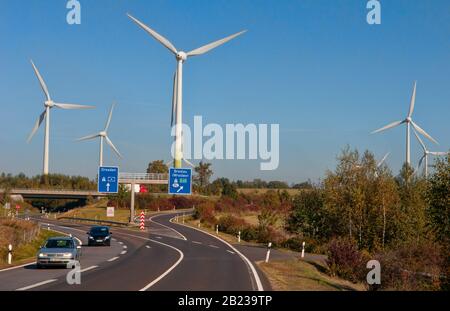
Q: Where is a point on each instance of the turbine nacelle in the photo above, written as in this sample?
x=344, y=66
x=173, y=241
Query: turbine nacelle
x=49, y=103
x=408, y=120
x=181, y=56
x=102, y=134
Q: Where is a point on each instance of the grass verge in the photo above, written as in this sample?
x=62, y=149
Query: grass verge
x=299, y=275
x=26, y=253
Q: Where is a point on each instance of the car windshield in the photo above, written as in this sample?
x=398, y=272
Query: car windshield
x=59, y=244
x=99, y=230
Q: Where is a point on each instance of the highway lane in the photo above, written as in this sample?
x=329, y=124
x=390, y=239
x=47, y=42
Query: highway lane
x=209, y=264
x=29, y=275
x=167, y=257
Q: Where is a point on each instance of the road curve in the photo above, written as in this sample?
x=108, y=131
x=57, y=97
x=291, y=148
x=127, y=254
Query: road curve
x=167, y=257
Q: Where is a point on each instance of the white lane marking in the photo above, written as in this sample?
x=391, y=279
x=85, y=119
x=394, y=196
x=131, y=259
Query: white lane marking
x=112, y=259
x=88, y=268
x=123, y=252
x=147, y=246
x=195, y=242
x=121, y=243
x=245, y=259
x=17, y=267
x=125, y=247
x=159, y=238
x=114, y=239
x=230, y=251
x=36, y=285
x=168, y=270
x=213, y=246
x=151, y=220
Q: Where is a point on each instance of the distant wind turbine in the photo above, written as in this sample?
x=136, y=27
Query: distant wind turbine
x=425, y=155
x=103, y=136
x=177, y=97
x=408, y=122
x=48, y=104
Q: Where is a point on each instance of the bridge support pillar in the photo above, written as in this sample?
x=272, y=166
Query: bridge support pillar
x=132, y=203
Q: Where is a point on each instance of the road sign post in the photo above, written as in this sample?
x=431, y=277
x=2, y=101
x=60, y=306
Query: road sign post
x=9, y=254
x=180, y=181
x=108, y=179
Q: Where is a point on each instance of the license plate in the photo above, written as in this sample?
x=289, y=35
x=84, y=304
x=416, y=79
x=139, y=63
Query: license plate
x=99, y=240
x=54, y=259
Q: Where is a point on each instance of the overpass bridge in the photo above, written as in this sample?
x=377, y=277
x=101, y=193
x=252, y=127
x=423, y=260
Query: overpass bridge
x=124, y=178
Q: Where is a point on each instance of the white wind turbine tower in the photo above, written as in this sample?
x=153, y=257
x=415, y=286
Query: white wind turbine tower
x=425, y=155
x=177, y=100
x=103, y=136
x=48, y=104
x=408, y=122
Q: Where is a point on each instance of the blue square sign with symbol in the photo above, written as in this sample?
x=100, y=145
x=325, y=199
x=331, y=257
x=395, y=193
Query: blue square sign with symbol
x=180, y=181
x=108, y=179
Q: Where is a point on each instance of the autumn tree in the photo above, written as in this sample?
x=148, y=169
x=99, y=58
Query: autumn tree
x=201, y=179
x=157, y=167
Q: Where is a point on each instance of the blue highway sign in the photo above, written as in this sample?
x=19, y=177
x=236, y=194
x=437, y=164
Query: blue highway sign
x=180, y=181
x=108, y=179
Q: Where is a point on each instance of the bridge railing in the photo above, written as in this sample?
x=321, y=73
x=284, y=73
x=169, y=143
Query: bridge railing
x=142, y=176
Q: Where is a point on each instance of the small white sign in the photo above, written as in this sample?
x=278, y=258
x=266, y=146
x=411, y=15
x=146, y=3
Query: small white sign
x=110, y=211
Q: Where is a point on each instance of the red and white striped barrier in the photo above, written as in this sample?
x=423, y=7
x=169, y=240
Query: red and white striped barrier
x=142, y=224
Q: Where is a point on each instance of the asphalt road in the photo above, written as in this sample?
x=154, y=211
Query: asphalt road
x=168, y=256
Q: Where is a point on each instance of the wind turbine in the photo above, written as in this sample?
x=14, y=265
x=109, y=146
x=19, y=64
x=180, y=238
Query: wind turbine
x=48, y=104
x=177, y=97
x=426, y=153
x=408, y=121
x=103, y=136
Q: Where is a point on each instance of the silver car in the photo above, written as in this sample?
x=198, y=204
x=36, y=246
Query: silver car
x=59, y=251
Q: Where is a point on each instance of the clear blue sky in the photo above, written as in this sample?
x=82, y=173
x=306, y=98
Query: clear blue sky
x=313, y=66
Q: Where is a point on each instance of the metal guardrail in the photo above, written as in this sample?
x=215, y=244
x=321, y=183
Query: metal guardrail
x=99, y=221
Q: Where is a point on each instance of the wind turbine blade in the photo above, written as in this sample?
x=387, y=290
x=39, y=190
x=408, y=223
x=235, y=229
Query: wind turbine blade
x=113, y=147
x=208, y=47
x=154, y=34
x=109, y=117
x=384, y=159
x=41, y=81
x=88, y=137
x=393, y=124
x=72, y=106
x=420, y=161
x=421, y=131
x=413, y=101
x=420, y=141
x=36, y=126
x=436, y=153
x=174, y=97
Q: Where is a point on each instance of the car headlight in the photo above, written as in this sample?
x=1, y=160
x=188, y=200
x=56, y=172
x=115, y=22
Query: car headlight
x=42, y=255
x=67, y=255
x=106, y=238
x=91, y=238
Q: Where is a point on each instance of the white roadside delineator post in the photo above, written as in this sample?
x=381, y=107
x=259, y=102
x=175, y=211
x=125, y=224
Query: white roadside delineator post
x=217, y=229
x=268, y=252
x=239, y=237
x=9, y=254
x=303, y=250
x=48, y=227
x=183, y=217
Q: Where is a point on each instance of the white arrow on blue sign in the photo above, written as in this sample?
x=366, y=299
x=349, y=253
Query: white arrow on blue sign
x=108, y=179
x=180, y=181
